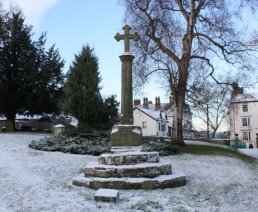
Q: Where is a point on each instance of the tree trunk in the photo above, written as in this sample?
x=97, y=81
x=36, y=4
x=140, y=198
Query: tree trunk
x=213, y=135
x=179, y=98
x=178, y=131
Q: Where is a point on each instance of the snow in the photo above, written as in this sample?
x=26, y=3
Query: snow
x=160, y=178
x=139, y=165
x=19, y=116
x=74, y=121
x=249, y=97
x=137, y=152
x=36, y=181
x=127, y=54
x=59, y=126
x=251, y=152
x=107, y=192
x=150, y=111
x=114, y=130
x=137, y=130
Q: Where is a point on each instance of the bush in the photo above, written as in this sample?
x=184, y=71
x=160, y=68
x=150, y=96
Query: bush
x=160, y=144
x=91, y=142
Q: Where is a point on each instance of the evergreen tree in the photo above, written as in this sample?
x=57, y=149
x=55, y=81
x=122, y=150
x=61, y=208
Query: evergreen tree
x=30, y=76
x=110, y=111
x=50, y=79
x=82, y=90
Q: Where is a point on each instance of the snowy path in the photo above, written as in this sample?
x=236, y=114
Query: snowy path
x=251, y=152
x=33, y=181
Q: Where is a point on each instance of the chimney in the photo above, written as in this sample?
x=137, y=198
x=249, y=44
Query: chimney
x=157, y=103
x=137, y=102
x=145, y=103
x=236, y=89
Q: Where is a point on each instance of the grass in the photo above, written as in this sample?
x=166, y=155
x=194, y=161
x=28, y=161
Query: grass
x=197, y=149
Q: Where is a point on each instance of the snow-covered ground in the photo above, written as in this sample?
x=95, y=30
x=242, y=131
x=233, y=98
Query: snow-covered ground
x=32, y=180
x=251, y=152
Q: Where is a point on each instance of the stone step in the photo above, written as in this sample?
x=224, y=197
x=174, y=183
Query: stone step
x=129, y=158
x=160, y=182
x=123, y=149
x=107, y=195
x=151, y=170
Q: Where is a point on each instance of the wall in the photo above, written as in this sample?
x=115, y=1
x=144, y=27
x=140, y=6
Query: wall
x=236, y=115
x=140, y=117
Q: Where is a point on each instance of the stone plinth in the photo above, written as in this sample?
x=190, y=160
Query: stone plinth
x=126, y=135
x=129, y=158
x=143, y=172
x=150, y=170
x=107, y=195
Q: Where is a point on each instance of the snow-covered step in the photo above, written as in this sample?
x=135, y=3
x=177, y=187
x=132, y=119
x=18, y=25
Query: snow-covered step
x=129, y=158
x=93, y=169
x=107, y=195
x=123, y=149
x=160, y=182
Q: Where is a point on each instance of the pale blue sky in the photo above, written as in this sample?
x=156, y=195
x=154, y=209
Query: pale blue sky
x=72, y=24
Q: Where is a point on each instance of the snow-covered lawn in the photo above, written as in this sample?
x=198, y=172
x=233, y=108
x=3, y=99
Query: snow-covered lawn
x=32, y=180
x=251, y=152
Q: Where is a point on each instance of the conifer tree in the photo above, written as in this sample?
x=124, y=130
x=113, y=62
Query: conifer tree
x=31, y=77
x=82, y=90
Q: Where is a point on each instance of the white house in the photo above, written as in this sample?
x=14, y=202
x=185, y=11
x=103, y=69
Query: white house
x=156, y=119
x=150, y=118
x=243, y=115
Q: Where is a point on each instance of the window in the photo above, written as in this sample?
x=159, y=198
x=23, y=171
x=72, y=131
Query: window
x=144, y=124
x=245, y=122
x=163, y=127
x=245, y=107
x=246, y=136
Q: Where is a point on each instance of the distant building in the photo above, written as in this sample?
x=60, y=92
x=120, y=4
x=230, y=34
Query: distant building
x=37, y=122
x=243, y=115
x=156, y=119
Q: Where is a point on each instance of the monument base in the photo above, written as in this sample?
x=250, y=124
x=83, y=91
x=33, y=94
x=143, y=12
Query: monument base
x=126, y=135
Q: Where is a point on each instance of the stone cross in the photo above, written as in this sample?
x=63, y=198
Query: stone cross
x=127, y=36
x=126, y=134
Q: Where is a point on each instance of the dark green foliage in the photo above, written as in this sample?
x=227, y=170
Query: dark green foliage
x=82, y=93
x=109, y=114
x=31, y=77
x=88, y=133
x=160, y=144
x=90, y=142
x=50, y=79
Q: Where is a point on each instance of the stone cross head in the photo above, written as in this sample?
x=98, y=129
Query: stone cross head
x=127, y=37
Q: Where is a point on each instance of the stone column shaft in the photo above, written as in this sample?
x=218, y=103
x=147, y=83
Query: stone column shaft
x=127, y=92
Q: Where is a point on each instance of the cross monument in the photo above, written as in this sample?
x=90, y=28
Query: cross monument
x=127, y=36
x=126, y=134
x=126, y=90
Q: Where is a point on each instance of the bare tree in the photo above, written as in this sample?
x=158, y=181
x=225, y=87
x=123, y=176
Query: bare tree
x=210, y=102
x=179, y=35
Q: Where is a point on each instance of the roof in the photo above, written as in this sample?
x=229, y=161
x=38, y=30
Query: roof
x=22, y=117
x=155, y=114
x=59, y=126
x=249, y=97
